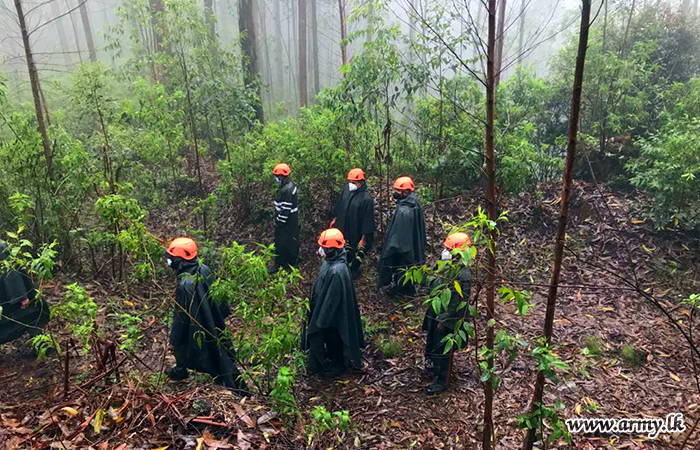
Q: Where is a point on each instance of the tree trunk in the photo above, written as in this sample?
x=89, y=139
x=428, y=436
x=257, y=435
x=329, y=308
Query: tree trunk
x=499, y=39
x=314, y=48
x=246, y=26
x=521, y=31
x=564, y=212
x=343, y=33
x=88, y=31
x=156, y=10
x=303, y=95
x=60, y=29
x=279, y=50
x=36, y=91
x=268, y=67
x=686, y=6
x=76, y=35
x=492, y=212
x=209, y=16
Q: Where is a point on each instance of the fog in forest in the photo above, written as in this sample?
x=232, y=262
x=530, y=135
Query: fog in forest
x=65, y=33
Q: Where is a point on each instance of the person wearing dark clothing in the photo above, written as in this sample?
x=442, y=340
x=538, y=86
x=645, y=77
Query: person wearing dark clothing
x=405, y=240
x=23, y=311
x=438, y=326
x=286, y=220
x=353, y=214
x=333, y=332
x=198, y=322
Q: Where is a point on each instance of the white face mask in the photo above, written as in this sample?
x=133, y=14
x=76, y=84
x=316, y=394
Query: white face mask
x=322, y=252
x=446, y=255
x=352, y=187
x=169, y=262
x=278, y=180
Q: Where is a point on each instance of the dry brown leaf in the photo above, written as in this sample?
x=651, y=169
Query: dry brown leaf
x=674, y=376
x=243, y=440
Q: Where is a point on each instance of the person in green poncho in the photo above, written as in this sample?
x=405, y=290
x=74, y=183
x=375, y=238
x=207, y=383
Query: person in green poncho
x=438, y=326
x=23, y=311
x=197, y=334
x=405, y=240
x=333, y=332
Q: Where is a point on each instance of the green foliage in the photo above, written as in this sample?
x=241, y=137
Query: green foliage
x=78, y=310
x=323, y=421
x=594, y=346
x=389, y=348
x=129, y=339
x=269, y=333
x=39, y=264
x=282, y=393
x=43, y=344
x=631, y=356
x=547, y=360
x=669, y=169
x=543, y=417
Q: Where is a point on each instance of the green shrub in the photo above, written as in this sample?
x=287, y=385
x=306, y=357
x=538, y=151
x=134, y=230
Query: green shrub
x=594, y=346
x=388, y=347
x=631, y=356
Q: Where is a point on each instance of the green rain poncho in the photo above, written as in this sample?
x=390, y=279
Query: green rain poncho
x=204, y=348
x=333, y=327
x=15, y=287
x=405, y=241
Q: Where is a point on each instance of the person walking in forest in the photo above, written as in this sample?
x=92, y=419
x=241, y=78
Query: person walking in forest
x=286, y=220
x=197, y=334
x=438, y=325
x=23, y=311
x=353, y=214
x=333, y=332
x=405, y=240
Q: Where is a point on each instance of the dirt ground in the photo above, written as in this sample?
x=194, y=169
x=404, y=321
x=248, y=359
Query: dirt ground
x=387, y=402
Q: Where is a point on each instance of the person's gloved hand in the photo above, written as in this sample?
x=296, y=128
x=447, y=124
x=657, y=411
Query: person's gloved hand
x=25, y=303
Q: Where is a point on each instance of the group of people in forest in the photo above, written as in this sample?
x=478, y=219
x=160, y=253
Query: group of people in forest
x=332, y=334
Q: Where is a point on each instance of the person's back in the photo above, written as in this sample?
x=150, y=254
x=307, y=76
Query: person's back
x=353, y=215
x=286, y=220
x=405, y=240
x=22, y=311
x=197, y=333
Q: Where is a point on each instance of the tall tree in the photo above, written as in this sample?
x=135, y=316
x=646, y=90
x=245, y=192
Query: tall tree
x=491, y=210
x=85, y=17
x=564, y=211
x=36, y=90
x=246, y=26
x=156, y=10
x=314, y=47
x=521, y=32
x=343, y=33
x=279, y=50
x=60, y=29
x=686, y=6
x=209, y=16
x=500, y=37
x=76, y=35
x=303, y=83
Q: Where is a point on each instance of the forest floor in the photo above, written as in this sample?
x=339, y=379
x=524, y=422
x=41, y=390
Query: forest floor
x=387, y=402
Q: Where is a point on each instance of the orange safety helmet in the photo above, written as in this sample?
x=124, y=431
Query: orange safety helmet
x=332, y=238
x=183, y=247
x=457, y=240
x=282, y=169
x=356, y=175
x=404, y=184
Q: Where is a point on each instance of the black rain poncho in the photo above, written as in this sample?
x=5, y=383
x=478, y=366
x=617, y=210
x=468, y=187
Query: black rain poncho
x=286, y=225
x=333, y=327
x=15, y=287
x=216, y=355
x=434, y=347
x=405, y=240
x=354, y=213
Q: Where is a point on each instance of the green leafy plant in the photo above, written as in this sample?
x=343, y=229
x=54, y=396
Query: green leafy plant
x=323, y=421
x=594, y=346
x=543, y=417
x=43, y=344
x=390, y=348
x=282, y=393
x=78, y=310
x=631, y=356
